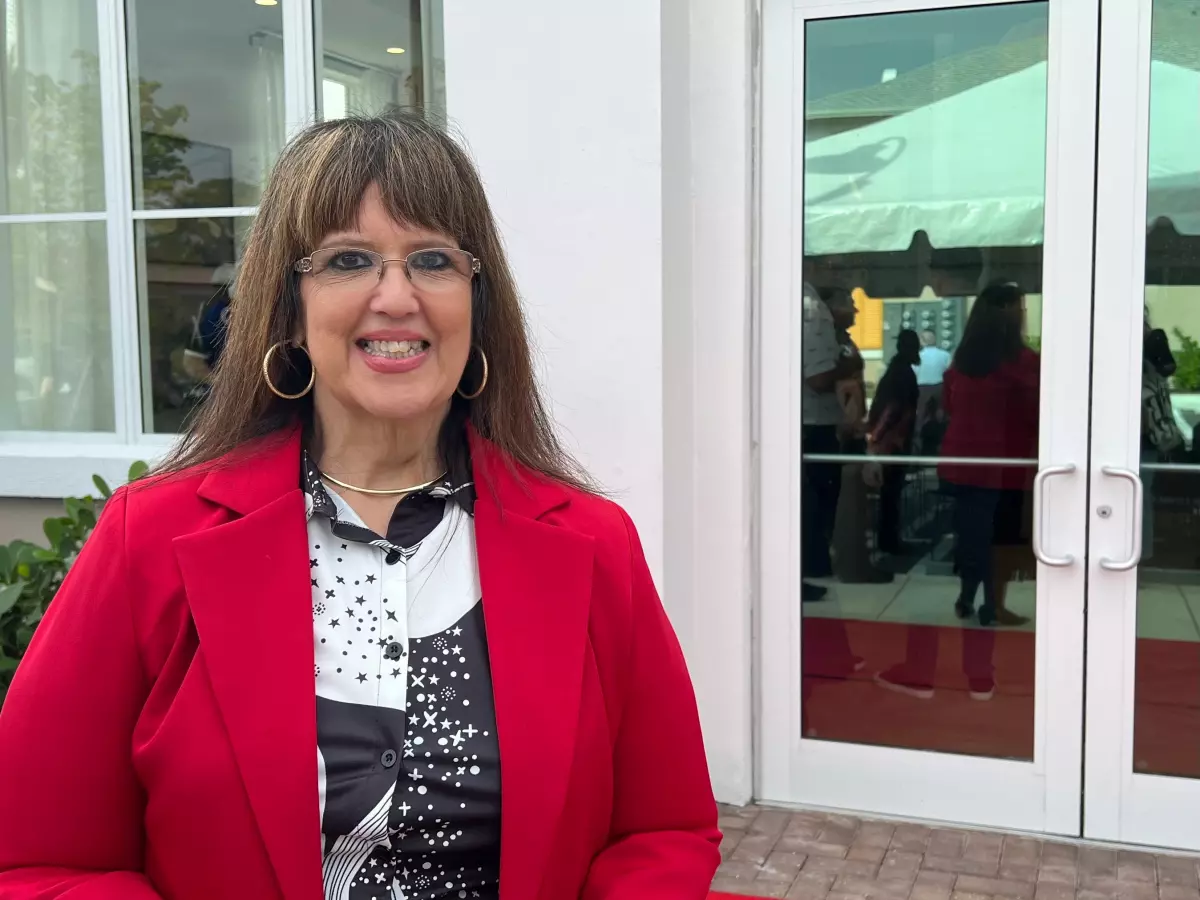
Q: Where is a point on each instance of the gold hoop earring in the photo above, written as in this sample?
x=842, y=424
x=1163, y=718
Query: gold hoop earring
x=266, y=368
x=482, y=383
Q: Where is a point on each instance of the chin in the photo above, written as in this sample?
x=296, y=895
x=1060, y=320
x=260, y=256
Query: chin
x=401, y=405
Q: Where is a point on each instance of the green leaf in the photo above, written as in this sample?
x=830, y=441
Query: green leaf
x=102, y=486
x=42, y=555
x=137, y=470
x=9, y=594
x=7, y=664
x=34, y=616
x=54, y=530
x=22, y=552
x=6, y=562
x=74, y=508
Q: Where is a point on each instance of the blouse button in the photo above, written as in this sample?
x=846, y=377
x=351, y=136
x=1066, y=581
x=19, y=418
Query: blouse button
x=388, y=758
x=393, y=651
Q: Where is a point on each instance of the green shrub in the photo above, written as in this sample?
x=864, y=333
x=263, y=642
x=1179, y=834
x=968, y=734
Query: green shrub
x=30, y=574
x=1187, y=362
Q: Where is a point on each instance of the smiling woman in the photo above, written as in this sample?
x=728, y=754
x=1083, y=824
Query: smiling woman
x=375, y=447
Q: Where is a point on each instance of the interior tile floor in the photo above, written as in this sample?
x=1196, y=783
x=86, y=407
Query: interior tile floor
x=821, y=856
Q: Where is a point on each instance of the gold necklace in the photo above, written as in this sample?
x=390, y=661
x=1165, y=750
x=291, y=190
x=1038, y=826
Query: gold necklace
x=390, y=492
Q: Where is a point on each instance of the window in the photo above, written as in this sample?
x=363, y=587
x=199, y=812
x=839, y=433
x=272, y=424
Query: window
x=55, y=345
x=128, y=185
x=379, y=54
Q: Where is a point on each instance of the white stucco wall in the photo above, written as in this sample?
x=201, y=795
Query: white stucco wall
x=615, y=143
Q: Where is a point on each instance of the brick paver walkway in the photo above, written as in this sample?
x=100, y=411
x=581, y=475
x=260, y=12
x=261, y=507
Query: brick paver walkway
x=814, y=856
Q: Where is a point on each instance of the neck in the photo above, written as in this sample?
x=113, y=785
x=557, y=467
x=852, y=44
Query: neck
x=378, y=454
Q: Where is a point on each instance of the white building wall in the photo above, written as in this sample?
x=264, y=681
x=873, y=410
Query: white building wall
x=615, y=143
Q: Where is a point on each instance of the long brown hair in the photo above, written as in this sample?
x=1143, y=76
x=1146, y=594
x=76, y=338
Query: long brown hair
x=426, y=180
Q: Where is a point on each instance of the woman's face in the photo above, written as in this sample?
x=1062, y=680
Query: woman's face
x=387, y=347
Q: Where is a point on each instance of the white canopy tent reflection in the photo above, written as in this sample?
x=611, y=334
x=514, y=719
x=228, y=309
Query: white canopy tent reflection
x=969, y=171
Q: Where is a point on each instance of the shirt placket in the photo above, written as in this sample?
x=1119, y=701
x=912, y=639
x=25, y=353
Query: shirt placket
x=393, y=630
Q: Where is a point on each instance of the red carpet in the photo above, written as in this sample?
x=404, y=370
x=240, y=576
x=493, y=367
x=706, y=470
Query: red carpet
x=844, y=705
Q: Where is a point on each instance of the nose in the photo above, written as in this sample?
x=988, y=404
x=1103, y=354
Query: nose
x=394, y=295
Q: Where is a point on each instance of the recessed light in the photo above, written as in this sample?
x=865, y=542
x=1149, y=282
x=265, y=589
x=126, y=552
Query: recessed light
x=395, y=49
x=267, y=2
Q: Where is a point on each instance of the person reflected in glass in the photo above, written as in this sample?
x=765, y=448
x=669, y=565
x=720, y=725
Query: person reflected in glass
x=990, y=397
x=1161, y=438
x=853, y=562
x=890, y=432
x=827, y=315
x=930, y=369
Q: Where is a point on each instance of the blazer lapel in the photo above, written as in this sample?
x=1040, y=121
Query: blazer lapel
x=248, y=586
x=537, y=582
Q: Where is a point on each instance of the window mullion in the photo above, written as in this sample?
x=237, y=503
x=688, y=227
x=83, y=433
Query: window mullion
x=118, y=187
x=300, y=79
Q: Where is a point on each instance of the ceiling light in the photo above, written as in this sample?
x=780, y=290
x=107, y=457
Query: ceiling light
x=267, y=2
x=395, y=49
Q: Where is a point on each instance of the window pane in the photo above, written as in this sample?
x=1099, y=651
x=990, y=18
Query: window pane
x=52, y=155
x=921, y=391
x=1166, y=735
x=380, y=54
x=54, y=327
x=184, y=268
x=207, y=101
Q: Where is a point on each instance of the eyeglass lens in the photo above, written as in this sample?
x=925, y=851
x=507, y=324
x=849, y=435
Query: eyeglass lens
x=432, y=269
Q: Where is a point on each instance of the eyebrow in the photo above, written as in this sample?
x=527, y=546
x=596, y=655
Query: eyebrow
x=354, y=240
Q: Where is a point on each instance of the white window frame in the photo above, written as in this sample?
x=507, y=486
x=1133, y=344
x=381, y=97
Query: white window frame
x=57, y=464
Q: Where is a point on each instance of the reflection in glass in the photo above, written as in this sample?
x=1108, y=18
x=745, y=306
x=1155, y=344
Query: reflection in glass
x=51, y=91
x=924, y=186
x=54, y=328
x=1166, y=736
x=379, y=55
x=186, y=268
x=206, y=101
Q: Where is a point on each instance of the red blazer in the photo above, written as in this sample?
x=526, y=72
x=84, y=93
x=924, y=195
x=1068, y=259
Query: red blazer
x=994, y=416
x=159, y=739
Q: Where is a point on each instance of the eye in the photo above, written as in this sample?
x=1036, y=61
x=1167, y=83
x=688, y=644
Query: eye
x=431, y=261
x=351, y=261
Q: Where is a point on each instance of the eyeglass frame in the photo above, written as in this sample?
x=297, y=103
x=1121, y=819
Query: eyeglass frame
x=304, y=265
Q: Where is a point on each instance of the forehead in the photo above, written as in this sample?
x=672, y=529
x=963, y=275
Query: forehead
x=374, y=226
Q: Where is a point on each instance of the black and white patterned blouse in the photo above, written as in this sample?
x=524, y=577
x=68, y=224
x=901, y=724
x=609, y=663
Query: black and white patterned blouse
x=408, y=761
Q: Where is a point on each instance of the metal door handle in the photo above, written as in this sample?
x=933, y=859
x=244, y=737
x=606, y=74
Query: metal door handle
x=1135, y=555
x=1039, y=486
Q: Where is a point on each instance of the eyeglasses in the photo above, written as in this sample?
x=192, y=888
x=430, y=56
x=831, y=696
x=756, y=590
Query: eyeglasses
x=434, y=270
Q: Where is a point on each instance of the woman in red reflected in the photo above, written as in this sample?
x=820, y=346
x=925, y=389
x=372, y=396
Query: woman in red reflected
x=990, y=397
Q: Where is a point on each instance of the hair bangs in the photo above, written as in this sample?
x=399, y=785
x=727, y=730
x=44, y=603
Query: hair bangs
x=421, y=177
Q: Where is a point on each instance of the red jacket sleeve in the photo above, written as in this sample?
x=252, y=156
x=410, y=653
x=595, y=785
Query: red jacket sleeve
x=664, y=838
x=70, y=804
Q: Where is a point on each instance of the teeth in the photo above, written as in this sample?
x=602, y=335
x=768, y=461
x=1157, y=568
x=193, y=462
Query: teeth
x=394, y=349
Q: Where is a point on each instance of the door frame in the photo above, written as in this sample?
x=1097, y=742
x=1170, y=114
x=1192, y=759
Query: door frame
x=1042, y=795
x=1119, y=804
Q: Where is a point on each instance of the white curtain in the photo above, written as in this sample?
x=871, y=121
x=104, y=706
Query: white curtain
x=55, y=357
x=268, y=116
x=376, y=92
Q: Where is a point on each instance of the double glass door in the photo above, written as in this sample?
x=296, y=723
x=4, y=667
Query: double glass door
x=980, y=390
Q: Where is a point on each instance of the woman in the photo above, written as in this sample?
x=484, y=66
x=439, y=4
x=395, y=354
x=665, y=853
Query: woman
x=990, y=396
x=374, y=448
x=890, y=428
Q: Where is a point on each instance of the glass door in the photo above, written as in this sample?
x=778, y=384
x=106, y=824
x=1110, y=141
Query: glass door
x=927, y=194
x=1143, y=667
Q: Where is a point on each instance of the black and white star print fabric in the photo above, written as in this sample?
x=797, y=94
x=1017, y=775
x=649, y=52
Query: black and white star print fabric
x=408, y=761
